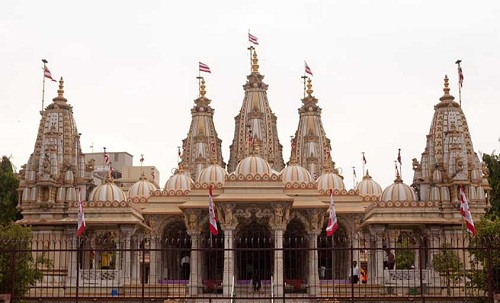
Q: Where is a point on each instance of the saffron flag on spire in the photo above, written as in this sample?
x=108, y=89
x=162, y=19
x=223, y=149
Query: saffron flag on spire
x=333, y=224
x=81, y=216
x=307, y=69
x=253, y=39
x=399, y=156
x=47, y=73
x=465, y=211
x=204, y=68
x=212, y=219
x=364, y=159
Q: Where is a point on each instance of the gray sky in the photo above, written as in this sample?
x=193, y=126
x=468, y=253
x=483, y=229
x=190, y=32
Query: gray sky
x=130, y=72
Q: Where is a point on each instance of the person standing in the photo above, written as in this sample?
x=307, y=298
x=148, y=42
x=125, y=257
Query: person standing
x=355, y=273
x=185, y=267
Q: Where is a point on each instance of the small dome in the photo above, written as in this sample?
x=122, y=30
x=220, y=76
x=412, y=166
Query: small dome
x=179, y=181
x=330, y=180
x=368, y=187
x=295, y=173
x=435, y=194
x=141, y=188
x=61, y=194
x=437, y=177
x=398, y=191
x=253, y=165
x=107, y=192
x=213, y=173
x=71, y=195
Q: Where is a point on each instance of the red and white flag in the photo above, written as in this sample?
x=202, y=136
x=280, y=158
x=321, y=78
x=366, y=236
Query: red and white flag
x=333, y=224
x=81, y=216
x=253, y=39
x=212, y=219
x=307, y=69
x=204, y=68
x=106, y=157
x=465, y=211
x=460, y=76
x=47, y=73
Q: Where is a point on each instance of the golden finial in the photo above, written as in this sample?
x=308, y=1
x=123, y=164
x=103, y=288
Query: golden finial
x=309, y=87
x=60, y=92
x=446, y=90
x=202, y=88
x=255, y=63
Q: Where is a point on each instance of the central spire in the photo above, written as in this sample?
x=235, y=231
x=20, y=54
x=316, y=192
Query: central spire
x=256, y=123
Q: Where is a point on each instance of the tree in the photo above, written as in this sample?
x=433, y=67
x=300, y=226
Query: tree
x=447, y=263
x=405, y=253
x=485, y=251
x=493, y=163
x=18, y=269
x=8, y=193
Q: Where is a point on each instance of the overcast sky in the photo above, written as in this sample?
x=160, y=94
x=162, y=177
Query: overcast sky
x=130, y=72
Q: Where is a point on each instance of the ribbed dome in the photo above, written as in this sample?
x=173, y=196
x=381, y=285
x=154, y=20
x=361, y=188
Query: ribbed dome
x=295, y=173
x=330, y=180
x=179, y=181
x=213, y=173
x=435, y=194
x=368, y=187
x=107, y=192
x=141, y=188
x=398, y=191
x=69, y=177
x=253, y=165
x=437, y=177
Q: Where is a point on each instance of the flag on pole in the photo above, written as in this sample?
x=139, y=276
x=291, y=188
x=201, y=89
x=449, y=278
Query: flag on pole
x=152, y=173
x=399, y=156
x=106, y=157
x=81, y=216
x=460, y=76
x=308, y=69
x=465, y=211
x=364, y=159
x=142, y=159
x=212, y=219
x=47, y=73
x=253, y=39
x=204, y=68
x=332, y=225
x=354, y=173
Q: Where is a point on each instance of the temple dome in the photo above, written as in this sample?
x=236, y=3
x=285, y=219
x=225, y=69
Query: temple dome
x=368, y=187
x=330, y=180
x=212, y=174
x=179, y=181
x=107, y=192
x=141, y=188
x=398, y=191
x=295, y=173
x=253, y=165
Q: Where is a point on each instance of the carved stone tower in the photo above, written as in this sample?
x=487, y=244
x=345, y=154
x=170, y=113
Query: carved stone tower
x=256, y=123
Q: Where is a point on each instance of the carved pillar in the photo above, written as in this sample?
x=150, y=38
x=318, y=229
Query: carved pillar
x=278, y=224
x=153, y=277
x=70, y=235
x=228, y=274
x=377, y=254
x=127, y=253
x=313, y=274
x=195, y=274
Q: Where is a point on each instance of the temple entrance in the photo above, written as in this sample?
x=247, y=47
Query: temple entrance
x=254, y=255
x=176, y=245
x=294, y=242
x=333, y=254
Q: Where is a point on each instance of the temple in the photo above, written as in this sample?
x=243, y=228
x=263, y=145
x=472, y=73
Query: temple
x=256, y=197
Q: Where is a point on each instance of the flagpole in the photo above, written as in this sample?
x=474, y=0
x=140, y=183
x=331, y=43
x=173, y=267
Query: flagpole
x=43, y=87
x=459, y=83
x=363, y=153
x=304, y=78
x=353, y=177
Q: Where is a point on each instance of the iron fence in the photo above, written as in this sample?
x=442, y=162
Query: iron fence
x=254, y=269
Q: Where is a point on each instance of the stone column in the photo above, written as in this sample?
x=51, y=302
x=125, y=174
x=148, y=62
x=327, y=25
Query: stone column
x=278, y=261
x=313, y=274
x=377, y=252
x=228, y=275
x=73, y=255
x=153, y=263
x=194, y=275
x=127, y=254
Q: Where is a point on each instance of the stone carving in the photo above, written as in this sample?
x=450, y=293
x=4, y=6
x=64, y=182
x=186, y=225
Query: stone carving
x=90, y=166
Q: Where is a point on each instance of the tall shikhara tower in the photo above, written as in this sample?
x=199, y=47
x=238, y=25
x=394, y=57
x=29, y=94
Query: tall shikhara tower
x=56, y=169
x=310, y=146
x=449, y=161
x=256, y=124
x=202, y=145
